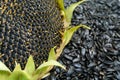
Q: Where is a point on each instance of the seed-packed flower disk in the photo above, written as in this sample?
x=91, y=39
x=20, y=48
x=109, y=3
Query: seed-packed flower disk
x=28, y=27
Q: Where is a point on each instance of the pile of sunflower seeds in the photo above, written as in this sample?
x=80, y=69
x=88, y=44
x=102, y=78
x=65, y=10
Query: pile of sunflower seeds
x=92, y=54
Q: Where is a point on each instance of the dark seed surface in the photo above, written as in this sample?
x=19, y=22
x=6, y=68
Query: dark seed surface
x=28, y=27
x=92, y=54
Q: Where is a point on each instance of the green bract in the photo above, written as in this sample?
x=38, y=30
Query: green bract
x=30, y=73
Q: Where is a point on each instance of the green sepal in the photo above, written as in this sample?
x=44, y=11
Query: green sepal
x=47, y=74
x=52, y=55
x=84, y=26
x=4, y=75
x=69, y=10
x=47, y=64
x=17, y=67
x=19, y=75
x=3, y=67
x=68, y=34
x=4, y=72
x=61, y=4
x=30, y=66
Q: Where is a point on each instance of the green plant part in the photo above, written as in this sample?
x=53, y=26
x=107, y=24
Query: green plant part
x=30, y=71
x=4, y=75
